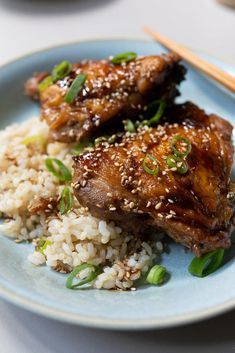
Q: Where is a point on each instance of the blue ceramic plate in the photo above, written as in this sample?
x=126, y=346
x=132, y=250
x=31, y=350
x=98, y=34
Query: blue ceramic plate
x=185, y=298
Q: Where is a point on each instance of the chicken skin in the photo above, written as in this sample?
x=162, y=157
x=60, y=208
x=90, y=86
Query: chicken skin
x=109, y=92
x=174, y=177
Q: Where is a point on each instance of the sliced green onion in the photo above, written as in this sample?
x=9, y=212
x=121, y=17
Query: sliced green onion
x=45, y=83
x=187, y=146
x=140, y=124
x=112, y=139
x=61, y=172
x=61, y=70
x=36, y=139
x=154, y=162
x=207, y=264
x=105, y=138
x=157, y=275
x=129, y=126
x=96, y=271
x=76, y=150
x=42, y=244
x=66, y=201
x=155, y=119
x=176, y=162
x=101, y=139
x=46, y=244
x=123, y=58
x=75, y=88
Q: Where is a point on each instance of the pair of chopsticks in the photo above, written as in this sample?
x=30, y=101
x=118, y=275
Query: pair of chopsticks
x=207, y=68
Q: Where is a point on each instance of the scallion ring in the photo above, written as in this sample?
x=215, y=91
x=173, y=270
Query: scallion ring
x=176, y=162
x=93, y=274
x=38, y=140
x=157, y=275
x=61, y=70
x=160, y=111
x=66, y=201
x=46, y=82
x=207, y=264
x=43, y=243
x=123, y=58
x=75, y=88
x=58, y=169
x=129, y=126
x=78, y=149
x=154, y=161
x=185, y=143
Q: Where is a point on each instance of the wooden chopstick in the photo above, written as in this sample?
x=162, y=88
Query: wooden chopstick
x=207, y=68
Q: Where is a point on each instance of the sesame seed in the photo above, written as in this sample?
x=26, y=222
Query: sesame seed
x=112, y=208
x=83, y=183
x=148, y=204
x=169, y=216
x=158, y=205
x=134, y=191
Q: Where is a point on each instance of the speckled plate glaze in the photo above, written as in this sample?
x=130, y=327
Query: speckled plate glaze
x=185, y=298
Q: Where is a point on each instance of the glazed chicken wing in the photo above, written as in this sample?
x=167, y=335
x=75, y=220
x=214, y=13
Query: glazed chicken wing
x=110, y=91
x=174, y=177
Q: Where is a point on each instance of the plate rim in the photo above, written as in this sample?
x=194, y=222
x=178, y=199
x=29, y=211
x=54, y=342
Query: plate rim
x=93, y=321
x=113, y=324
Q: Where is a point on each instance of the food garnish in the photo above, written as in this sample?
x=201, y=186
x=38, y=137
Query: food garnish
x=38, y=140
x=95, y=271
x=58, y=169
x=123, y=58
x=75, y=88
x=46, y=82
x=58, y=73
x=42, y=244
x=78, y=149
x=157, y=275
x=207, y=264
x=184, y=143
x=61, y=70
x=66, y=201
x=150, y=158
x=159, y=113
x=129, y=126
x=177, y=164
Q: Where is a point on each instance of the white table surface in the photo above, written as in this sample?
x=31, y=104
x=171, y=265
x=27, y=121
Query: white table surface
x=28, y=25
